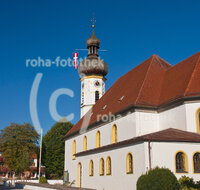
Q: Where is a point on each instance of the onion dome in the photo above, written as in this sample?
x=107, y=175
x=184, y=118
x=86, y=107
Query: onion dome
x=93, y=65
x=93, y=41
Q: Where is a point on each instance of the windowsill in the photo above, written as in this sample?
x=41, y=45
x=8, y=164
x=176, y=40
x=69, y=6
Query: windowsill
x=181, y=172
x=129, y=172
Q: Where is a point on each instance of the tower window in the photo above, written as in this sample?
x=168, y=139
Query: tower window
x=129, y=163
x=91, y=169
x=196, y=162
x=181, y=163
x=114, y=133
x=96, y=96
x=101, y=167
x=108, y=166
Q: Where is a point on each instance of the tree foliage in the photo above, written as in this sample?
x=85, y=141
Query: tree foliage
x=53, y=149
x=18, y=143
x=157, y=179
x=188, y=183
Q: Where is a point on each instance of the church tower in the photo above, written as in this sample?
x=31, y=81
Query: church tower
x=92, y=71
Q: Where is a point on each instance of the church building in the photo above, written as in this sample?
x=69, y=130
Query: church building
x=149, y=117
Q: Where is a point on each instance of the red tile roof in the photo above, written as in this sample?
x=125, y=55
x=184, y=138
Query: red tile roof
x=151, y=84
x=181, y=80
x=167, y=135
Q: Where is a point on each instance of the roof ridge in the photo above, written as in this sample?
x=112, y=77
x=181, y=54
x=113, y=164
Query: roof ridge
x=184, y=59
x=144, y=79
x=192, y=75
x=159, y=60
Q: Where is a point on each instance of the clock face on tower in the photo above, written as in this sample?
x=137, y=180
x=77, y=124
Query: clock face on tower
x=97, y=83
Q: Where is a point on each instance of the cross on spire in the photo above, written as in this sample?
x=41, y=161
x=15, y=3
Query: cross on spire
x=93, y=22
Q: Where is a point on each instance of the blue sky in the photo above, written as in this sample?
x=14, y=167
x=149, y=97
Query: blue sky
x=131, y=31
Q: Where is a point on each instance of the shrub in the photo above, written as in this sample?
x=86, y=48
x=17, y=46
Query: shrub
x=42, y=180
x=157, y=179
x=188, y=183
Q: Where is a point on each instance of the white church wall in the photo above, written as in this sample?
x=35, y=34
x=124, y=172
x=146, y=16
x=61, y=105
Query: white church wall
x=182, y=117
x=163, y=155
x=173, y=118
x=126, y=129
x=118, y=180
x=191, y=109
x=146, y=122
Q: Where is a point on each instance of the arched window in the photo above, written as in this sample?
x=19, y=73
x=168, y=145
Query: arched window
x=101, y=167
x=198, y=120
x=74, y=149
x=84, y=143
x=91, y=169
x=181, y=163
x=129, y=163
x=98, y=139
x=108, y=166
x=196, y=162
x=79, y=175
x=96, y=96
x=114, y=133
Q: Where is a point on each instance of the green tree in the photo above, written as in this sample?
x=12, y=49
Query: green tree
x=53, y=149
x=18, y=143
x=157, y=179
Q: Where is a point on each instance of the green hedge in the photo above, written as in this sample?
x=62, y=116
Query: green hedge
x=157, y=179
x=42, y=180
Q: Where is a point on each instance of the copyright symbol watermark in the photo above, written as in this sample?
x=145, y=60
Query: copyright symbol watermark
x=52, y=103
